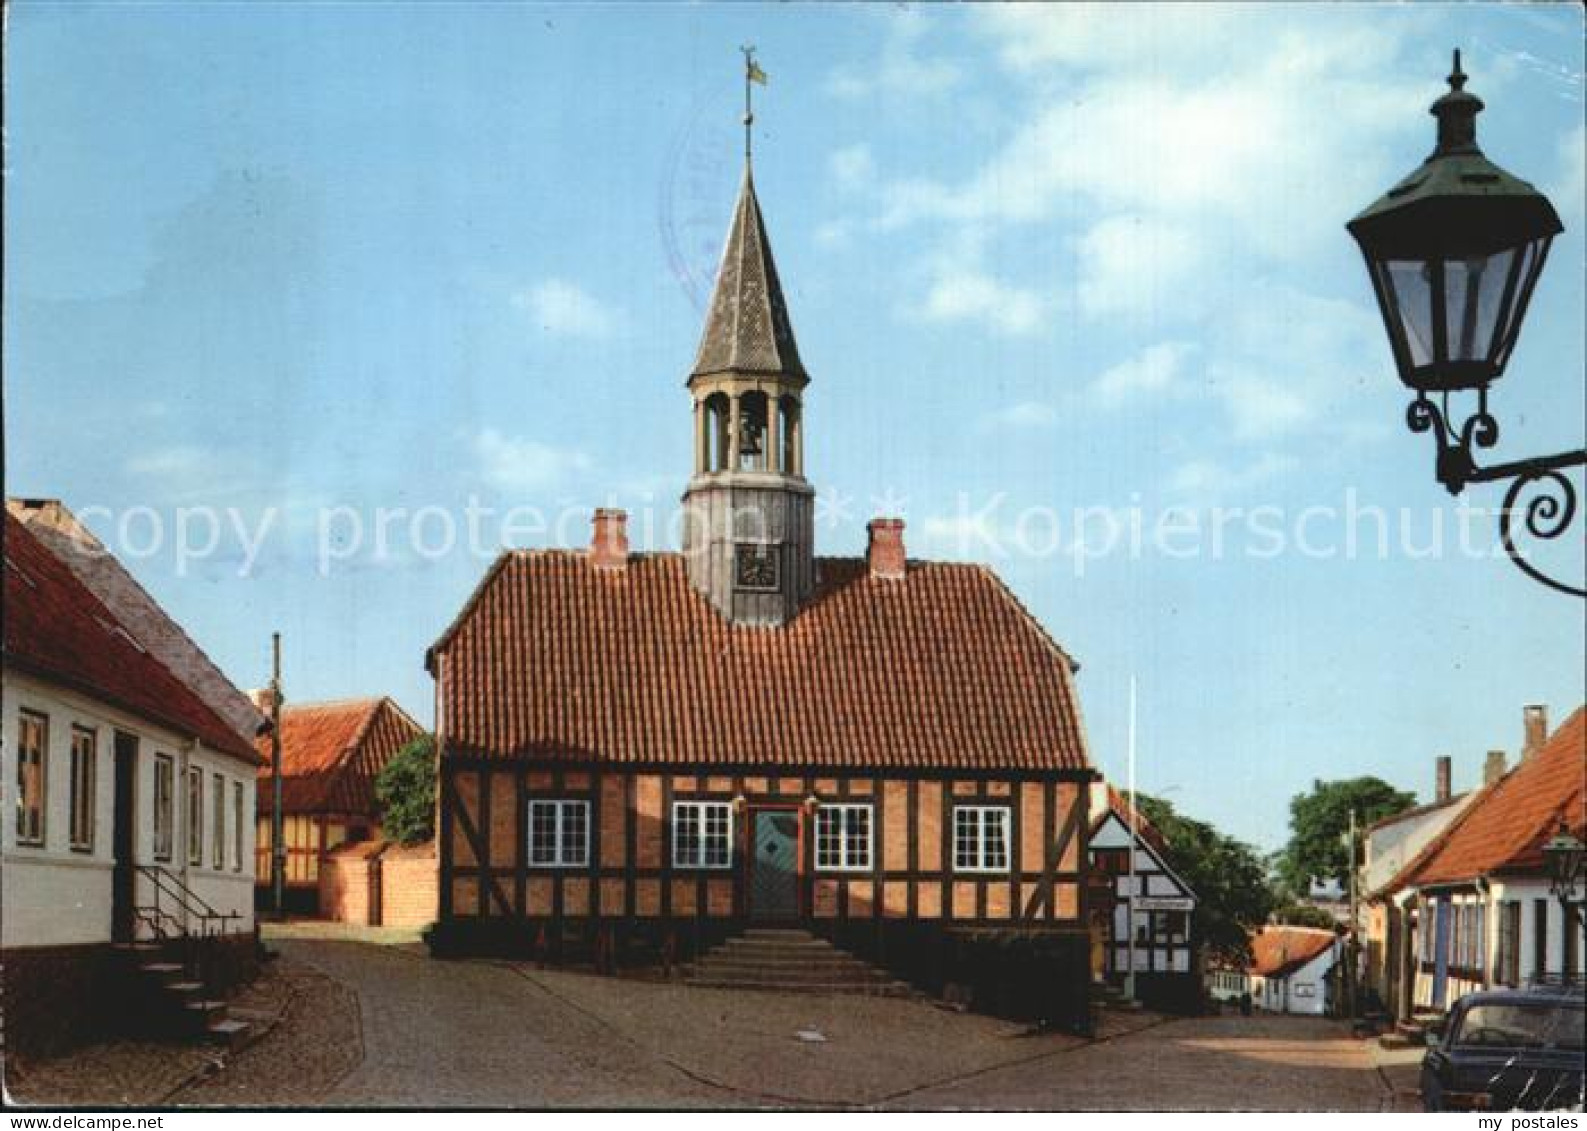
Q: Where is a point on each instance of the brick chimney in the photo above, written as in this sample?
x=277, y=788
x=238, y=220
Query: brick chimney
x=885, y=554
x=1493, y=768
x=264, y=699
x=609, y=539
x=1443, y=769
x=1534, y=722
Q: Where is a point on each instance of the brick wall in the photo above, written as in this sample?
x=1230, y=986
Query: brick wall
x=410, y=885
x=347, y=878
x=377, y=883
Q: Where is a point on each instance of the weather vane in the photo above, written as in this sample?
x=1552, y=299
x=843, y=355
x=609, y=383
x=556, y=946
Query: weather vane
x=752, y=74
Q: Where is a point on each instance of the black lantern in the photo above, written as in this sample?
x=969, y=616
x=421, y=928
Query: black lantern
x=1562, y=856
x=1454, y=250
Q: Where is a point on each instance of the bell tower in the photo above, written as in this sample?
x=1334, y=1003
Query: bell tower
x=749, y=522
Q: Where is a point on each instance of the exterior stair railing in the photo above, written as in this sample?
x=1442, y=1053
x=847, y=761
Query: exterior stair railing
x=178, y=914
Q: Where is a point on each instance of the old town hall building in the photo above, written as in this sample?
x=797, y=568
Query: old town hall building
x=661, y=750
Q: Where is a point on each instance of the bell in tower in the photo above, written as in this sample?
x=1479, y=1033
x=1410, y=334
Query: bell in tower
x=749, y=523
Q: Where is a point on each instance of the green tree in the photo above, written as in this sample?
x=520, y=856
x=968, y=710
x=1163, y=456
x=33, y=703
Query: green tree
x=1304, y=915
x=1227, y=875
x=405, y=789
x=1319, y=822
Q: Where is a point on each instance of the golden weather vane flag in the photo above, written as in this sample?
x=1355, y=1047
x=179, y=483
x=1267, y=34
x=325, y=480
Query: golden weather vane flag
x=752, y=74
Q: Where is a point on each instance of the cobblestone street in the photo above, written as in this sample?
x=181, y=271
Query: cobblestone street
x=363, y=1024
x=430, y=1033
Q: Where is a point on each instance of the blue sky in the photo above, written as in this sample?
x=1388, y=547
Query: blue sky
x=310, y=257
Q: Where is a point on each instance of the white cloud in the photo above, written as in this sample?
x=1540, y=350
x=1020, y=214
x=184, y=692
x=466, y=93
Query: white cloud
x=1135, y=265
x=901, y=71
x=964, y=536
x=1089, y=36
x=564, y=309
x=176, y=462
x=1210, y=479
x=853, y=167
x=1569, y=187
x=970, y=295
x=512, y=463
x=1024, y=416
x=1156, y=370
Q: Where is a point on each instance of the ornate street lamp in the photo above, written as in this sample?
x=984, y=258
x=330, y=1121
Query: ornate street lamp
x=1562, y=858
x=1454, y=251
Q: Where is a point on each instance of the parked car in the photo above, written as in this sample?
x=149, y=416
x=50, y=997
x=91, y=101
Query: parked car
x=1508, y=1050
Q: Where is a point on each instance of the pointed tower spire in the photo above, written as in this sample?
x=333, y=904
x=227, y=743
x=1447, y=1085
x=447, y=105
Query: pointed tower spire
x=747, y=328
x=749, y=530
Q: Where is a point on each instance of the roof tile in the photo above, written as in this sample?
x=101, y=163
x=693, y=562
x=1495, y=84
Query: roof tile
x=555, y=659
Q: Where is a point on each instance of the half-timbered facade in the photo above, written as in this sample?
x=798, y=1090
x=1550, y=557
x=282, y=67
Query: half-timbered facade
x=331, y=754
x=1143, y=908
x=676, y=745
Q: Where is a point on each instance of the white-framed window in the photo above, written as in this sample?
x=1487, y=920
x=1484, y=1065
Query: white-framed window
x=195, y=816
x=843, y=838
x=164, y=805
x=559, y=834
x=85, y=747
x=236, y=825
x=980, y=838
x=33, y=744
x=218, y=829
x=702, y=834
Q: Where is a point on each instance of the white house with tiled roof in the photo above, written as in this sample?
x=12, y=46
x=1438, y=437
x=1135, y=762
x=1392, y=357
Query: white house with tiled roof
x=1477, y=899
x=129, y=802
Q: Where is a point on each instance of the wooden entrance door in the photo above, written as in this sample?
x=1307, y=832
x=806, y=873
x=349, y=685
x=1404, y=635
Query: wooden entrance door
x=123, y=890
x=774, y=865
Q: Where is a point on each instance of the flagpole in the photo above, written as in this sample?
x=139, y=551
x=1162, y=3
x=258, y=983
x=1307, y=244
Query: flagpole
x=749, y=111
x=1129, y=930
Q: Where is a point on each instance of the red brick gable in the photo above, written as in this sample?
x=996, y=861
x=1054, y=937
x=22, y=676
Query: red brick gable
x=554, y=659
x=1505, y=827
x=331, y=754
x=58, y=630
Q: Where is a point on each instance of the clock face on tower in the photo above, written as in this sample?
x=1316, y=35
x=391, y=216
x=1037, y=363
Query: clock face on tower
x=755, y=566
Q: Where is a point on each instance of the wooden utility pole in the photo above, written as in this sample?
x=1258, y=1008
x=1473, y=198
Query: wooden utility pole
x=278, y=850
x=1352, y=941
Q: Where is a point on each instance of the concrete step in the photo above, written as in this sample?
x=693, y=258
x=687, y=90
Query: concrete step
x=766, y=958
x=184, y=989
x=205, y=1012
x=877, y=989
x=1399, y=1041
x=228, y=1033
x=830, y=960
x=857, y=976
x=793, y=948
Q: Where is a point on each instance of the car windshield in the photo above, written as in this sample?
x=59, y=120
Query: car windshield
x=1534, y=1025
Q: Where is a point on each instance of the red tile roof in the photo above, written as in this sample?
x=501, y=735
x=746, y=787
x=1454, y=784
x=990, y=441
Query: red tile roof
x=943, y=668
x=1503, y=830
x=332, y=752
x=1277, y=951
x=58, y=630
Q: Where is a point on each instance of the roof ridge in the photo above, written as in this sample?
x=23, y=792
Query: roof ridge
x=14, y=525
x=1409, y=874
x=51, y=533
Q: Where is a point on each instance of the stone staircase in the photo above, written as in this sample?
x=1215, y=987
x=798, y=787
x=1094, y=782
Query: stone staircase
x=172, y=1001
x=790, y=961
x=1105, y=995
